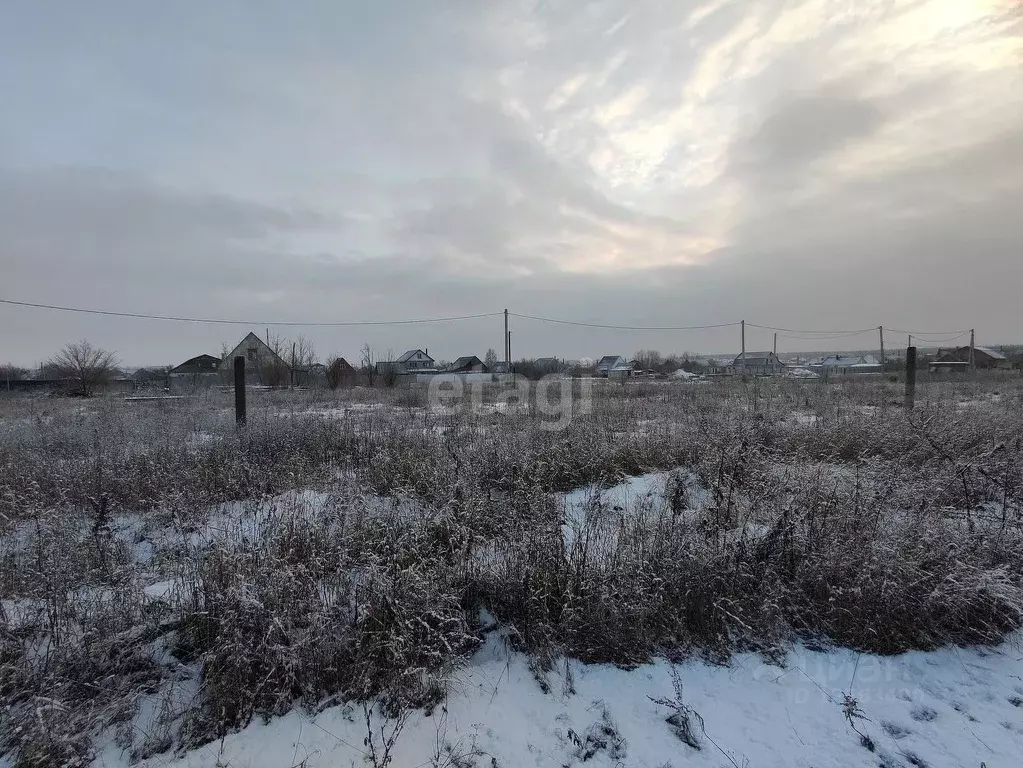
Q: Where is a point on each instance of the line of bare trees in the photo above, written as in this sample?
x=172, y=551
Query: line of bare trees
x=87, y=367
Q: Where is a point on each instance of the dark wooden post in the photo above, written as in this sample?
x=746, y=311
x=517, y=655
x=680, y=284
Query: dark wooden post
x=910, y=377
x=239, y=390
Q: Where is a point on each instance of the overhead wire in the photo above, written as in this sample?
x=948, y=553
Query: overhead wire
x=790, y=333
x=220, y=321
x=855, y=332
x=930, y=333
x=939, y=341
x=821, y=338
x=625, y=327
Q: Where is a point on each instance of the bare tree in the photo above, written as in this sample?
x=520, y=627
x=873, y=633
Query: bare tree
x=301, y=356
x=390, y=374
x=84, y=364
x=649, y=359
x=12, y=372
x=274, y=369
x=366, y=363
x=304, y=353
x=490, y=359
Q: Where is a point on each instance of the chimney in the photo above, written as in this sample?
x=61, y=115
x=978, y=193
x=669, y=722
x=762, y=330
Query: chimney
x=427, y=351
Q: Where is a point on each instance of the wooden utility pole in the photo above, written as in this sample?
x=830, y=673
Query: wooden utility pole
x=292, y=365
x=743, y=331
x=239, y=390
x=973, y=360
x=776, y=342
x=880, y=335
x=507, y=345
x=910, y=377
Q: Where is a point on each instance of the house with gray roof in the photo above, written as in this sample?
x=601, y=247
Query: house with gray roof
x=983, y=357
x=198, y=371
x=413, y=361
x=757, y=364
x=845, y=364
x=467, y=364
x=608, y=363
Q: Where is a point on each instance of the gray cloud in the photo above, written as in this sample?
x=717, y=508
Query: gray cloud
x=807, y=127
x=612, y=162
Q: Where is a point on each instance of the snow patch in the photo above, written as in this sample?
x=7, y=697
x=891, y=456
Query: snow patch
x=943, y=708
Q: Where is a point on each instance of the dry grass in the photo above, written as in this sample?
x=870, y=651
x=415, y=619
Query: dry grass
x=830, y=513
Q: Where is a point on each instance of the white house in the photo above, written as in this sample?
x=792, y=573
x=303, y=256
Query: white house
x=413, y=361
x=846, y=364
x=608, y=363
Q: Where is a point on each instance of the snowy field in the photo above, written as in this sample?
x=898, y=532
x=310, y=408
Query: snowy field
x=790, y=573
x=952, y=707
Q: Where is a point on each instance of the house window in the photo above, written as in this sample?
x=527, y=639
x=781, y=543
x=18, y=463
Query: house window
x=251, y=354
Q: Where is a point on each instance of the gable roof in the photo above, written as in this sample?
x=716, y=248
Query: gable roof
x=609, y=361
x=961, y=354
x=770, y=357
x=992, y=353
x=198, y=364
x=845, y=361
x=412, y=353
x=466, y=360
x=250, y=339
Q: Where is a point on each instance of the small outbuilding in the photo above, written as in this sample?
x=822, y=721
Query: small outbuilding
x=339, y=373
x=621, y=372
x=198, y=371
x=467, y=364
x=959, y=359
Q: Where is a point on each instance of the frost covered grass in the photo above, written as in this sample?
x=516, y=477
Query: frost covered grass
x=342, y=547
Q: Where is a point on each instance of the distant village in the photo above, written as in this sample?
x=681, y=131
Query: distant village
x=274, y=363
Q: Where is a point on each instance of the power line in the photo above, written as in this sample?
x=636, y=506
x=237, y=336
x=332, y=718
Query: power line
x=803, y=335
x=625, y=327
x=929, y=333
x=821, y=338
x=939, y=341
x=797, y=330
x=210, y=321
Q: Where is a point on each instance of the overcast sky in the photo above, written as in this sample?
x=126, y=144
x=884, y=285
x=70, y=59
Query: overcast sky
x=808, y=165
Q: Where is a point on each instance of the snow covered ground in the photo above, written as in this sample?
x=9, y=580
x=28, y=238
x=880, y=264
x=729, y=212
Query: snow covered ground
x=952, y=707
x=594, y=508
